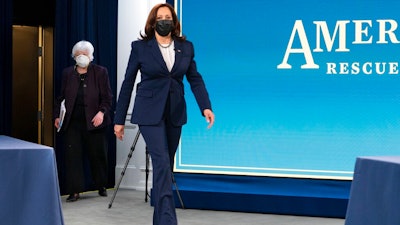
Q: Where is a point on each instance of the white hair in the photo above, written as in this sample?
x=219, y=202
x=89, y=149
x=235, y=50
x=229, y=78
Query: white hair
x=83, y=46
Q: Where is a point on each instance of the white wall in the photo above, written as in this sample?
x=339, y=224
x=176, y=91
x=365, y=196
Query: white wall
x=132, y=16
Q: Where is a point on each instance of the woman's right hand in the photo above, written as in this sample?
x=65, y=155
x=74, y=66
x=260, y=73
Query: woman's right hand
x=119, y=131
x=57, y=122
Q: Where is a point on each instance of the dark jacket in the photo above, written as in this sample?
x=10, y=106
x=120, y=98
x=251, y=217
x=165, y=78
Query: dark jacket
x=97, y=95
x=157, y=84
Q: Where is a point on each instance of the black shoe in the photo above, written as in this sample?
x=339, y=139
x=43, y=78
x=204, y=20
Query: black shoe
x=73, y=197
x=103, y=192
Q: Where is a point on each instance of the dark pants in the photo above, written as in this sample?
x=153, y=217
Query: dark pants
x=78, y=143
x=162, y=141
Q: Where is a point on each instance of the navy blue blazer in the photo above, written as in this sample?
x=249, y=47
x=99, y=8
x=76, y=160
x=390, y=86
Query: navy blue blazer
x=157, y=83
x=97, y=94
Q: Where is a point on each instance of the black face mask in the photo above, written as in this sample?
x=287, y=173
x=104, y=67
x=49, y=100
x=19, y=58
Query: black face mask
x=164, y=27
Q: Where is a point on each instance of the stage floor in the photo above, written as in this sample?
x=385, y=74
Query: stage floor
x=129, y=208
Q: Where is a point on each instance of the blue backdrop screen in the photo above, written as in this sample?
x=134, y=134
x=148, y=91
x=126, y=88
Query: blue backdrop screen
x=299, y=88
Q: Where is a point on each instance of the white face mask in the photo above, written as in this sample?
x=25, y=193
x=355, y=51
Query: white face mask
x=82, y=61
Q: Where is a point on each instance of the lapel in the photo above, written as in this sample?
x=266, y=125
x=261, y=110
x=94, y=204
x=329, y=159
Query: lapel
x=73, y=84
x=178, y=54
x=155, y=50
x=160, y=60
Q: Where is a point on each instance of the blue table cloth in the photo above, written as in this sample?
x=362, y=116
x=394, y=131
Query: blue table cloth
x=29, y=190
x=375, y=192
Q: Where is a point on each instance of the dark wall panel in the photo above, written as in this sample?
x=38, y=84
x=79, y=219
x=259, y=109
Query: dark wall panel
x=34, y=13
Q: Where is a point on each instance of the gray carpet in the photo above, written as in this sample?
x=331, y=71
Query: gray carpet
x=129, y=208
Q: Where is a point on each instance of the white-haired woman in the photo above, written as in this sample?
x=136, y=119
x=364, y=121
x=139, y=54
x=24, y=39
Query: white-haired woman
x=86, y=90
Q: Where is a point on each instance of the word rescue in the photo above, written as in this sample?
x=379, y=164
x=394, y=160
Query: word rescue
x=386, y=35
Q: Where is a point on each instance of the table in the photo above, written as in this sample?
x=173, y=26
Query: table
x=29, y=191
x=375, y=192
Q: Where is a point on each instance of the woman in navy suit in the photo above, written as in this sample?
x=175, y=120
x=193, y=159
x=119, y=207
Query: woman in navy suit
x=163, y=57
x=87, y=93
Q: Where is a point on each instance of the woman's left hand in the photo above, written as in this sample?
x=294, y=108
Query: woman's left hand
x=98, y=119
x=209, y=117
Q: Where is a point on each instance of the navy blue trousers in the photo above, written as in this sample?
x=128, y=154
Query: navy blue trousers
x=162, y=141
